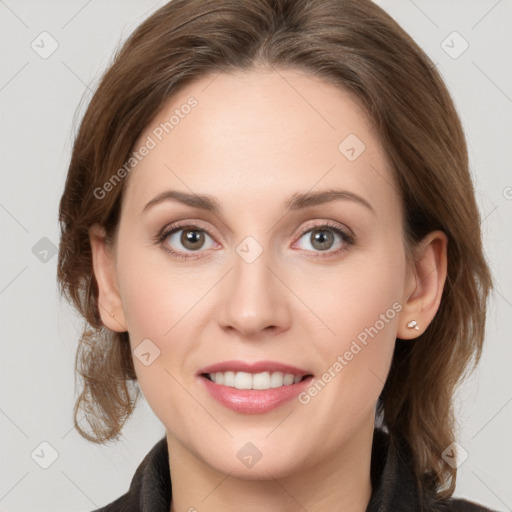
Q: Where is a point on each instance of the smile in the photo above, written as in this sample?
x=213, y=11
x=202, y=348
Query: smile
x=260, y=381
x=253, y=388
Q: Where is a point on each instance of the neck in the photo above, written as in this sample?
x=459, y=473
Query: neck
x=342, y=482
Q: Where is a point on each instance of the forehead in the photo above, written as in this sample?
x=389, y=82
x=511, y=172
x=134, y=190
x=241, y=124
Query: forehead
x=251, y=137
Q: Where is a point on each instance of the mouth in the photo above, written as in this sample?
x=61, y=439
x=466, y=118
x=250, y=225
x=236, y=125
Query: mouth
x=259, y=381
x=253, y=388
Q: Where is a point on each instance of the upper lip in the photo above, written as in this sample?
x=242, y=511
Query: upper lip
x=256, y=367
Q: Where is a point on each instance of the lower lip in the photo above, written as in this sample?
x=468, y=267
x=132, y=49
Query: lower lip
x=254, y=401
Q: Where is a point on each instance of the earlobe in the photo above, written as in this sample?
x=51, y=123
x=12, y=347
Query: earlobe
x=424, y=286
x=109, y=299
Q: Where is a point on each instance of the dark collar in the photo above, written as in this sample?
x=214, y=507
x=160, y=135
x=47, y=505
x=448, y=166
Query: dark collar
x=392, y=477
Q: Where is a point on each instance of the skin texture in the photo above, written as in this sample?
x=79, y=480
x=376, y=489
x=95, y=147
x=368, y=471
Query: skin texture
x=253, y=140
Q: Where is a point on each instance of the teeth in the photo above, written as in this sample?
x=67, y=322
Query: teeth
x=276, y=380
x=245, y=380
x=261, y=380
x=288, y=379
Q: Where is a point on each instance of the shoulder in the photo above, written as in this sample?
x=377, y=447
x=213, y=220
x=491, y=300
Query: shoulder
x=122, y=504
x=459, y=505
x=395, y=487
x=150, y=489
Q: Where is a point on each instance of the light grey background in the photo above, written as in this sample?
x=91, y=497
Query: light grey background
x=39, y=97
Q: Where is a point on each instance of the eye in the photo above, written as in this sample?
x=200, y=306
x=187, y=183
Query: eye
x=182, y=239
x=326, y=238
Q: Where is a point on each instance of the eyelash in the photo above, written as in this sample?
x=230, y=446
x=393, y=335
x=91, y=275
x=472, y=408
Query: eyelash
x=348, y=240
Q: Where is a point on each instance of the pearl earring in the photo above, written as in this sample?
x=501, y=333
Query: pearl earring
x=413, y=325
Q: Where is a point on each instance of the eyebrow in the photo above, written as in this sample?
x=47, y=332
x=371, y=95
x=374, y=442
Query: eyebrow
x=296, y=202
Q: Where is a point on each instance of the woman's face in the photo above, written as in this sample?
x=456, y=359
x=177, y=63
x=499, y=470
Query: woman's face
x=279, y=273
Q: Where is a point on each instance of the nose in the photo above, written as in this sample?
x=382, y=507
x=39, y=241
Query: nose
x=254, y=300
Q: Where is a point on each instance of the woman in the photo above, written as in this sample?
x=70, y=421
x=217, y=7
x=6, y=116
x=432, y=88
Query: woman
x=270, y=228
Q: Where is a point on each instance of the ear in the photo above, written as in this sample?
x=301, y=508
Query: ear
x=424, y=285
x=109, y=300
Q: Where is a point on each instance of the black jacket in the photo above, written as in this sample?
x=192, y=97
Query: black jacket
x=393, y=484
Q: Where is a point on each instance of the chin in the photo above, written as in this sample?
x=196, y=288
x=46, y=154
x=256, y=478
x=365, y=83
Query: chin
x=260, y=459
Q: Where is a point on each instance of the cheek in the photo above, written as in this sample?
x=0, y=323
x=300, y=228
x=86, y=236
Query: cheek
x=157, y=295
x=156, y=304
x=163, y=304
x=362, y=292
x=359, y=307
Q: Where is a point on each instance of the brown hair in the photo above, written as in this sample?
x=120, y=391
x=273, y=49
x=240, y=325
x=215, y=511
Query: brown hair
x=355, y=45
